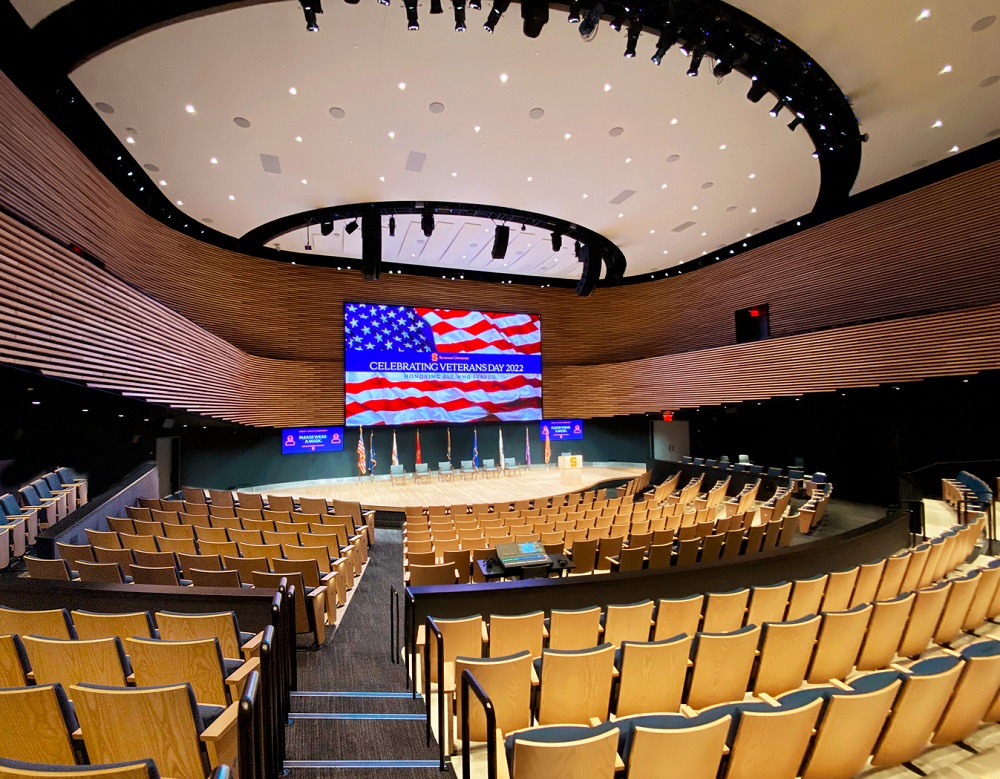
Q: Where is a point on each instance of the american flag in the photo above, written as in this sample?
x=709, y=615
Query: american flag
x=433, y=335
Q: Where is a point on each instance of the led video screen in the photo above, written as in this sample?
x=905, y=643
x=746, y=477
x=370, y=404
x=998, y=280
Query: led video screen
x=562, y=429
x=407, y=365
x=307, y=440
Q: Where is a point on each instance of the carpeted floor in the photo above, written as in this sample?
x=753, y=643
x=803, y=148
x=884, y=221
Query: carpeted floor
x=358, y=659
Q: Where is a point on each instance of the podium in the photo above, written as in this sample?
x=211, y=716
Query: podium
x=571, y=469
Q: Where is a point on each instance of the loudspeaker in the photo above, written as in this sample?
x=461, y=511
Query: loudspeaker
x=591, y=258
x=168, y=423
x=371, y=245
x=500, y=240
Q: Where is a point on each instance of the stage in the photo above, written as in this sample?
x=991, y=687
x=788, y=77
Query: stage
x=383, y=496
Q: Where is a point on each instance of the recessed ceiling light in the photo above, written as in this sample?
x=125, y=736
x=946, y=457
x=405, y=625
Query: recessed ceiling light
x=924, y=14
x=129, y=139
x=190, y=109
x=703, y=235
x=938, y=123
x=402, y=85
x=304, y=181
x=477, y=128
x=663, y=186
x=607, y=87
x=180, y=202
x=232, y=197
x=628, y=160
x=673, y=121
x=214, y=160
x=665, y=251
x=298, y=138
x=530, y=178
x=392, y=134
x=753, y=210
x=945, y=69
x=163, y=182
x=652, y=232
x=694, y=208
x=722, y=147
x=953, y=149
x=620, y=215
x=503, y=78
x=382, y=179
x=584, y=195
x=567, y=136
x=752, y=176
x=453, y=174
x=293, y=91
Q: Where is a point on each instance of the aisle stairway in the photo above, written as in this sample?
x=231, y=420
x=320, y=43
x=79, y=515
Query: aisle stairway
x=353, y=716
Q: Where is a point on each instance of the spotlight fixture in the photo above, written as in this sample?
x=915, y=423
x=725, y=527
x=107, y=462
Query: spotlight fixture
x=697, y=55
x=427, y=222
x=535, y=14
x=619, y=20
x=777, y=108
x=392, y=227
x=556, y=241
x=351, y=227
x=460, y=16
x=412, y=22
x=500, y=239
x=588, y=27
x=436, y=7
x=499, y=8
x=574, y=13
x=757, y=91
x=310, y=8
x=475, y=5
x=668, y=37
x=634, y=29
x=722, y=68
x=795, y=123
x=326, y=228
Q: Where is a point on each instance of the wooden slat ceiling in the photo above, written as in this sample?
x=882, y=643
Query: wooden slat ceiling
x=261, y=343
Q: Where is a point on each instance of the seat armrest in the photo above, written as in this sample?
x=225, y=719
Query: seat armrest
x=238, y=678
x=221, y=738
x=503, y=770
x=251, y=646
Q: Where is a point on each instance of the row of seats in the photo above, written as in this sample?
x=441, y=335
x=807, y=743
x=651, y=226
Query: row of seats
x=41, y=503
x=831, y=731
x=422, y=471
x=66, y=671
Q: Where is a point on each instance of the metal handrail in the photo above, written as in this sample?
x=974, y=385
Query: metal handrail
x=469, y=682
x=439, y=641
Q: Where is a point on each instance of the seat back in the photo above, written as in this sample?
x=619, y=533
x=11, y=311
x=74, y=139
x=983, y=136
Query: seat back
x=885, y=630
x=678, y=615
x=121, y=557
x=134, y=723
x=807, y=595
x=785, y=652
x=41, y=568
x=162, y=662
x=155, y=576
x=758, y=734
x=924, y=618
x=866, y=586
x=51, y=623
x=956, y=607
x=38, y=722
x=695, y=751
x=563, y=698
x=459, y=637
x=90, y=624
x=429, y=575
x=203, y=562
x=588, y=758
x=574, y=629
x=633, y=622
x=722, y=666
x=246, y=566
x=220, y=625
x=652, y=675
x=839, y=643
x=725, y=611
x=510, y=635
x=584, y=554
x=768, y=603
x=507, y=682
x=93, y=660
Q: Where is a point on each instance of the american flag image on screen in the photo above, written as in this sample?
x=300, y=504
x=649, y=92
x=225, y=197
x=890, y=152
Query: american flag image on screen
x=406, y=365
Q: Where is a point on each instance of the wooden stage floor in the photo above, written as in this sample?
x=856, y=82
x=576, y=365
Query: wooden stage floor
x=380, y=495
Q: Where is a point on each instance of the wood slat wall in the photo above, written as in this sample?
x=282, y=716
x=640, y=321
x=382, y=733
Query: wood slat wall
x=261, y=342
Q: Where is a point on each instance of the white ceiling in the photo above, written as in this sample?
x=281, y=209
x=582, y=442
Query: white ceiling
x=243, y=62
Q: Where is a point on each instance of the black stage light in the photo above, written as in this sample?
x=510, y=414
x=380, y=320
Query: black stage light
x=436, y=7
x=619, y=20
x=351, y=227
x=574, y=13
x=588, y=27
x=795, y=122
x=427, y=223
x=697, y=55
x=556, y=241
x=535, y=14
x=475, y=5
x=777, y=108
x=310, y=8
x=460, y=16
x=392, y=227
x=722, y=68
x=591, y=256
x=634, y=28
x=326, y=228
x=383, y=2
x=757, y=91
x=499, y=8
x=668, y=37
x=500, y=240
x=412, y=22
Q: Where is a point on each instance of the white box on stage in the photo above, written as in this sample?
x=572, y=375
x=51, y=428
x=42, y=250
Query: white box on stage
x=571, y=469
